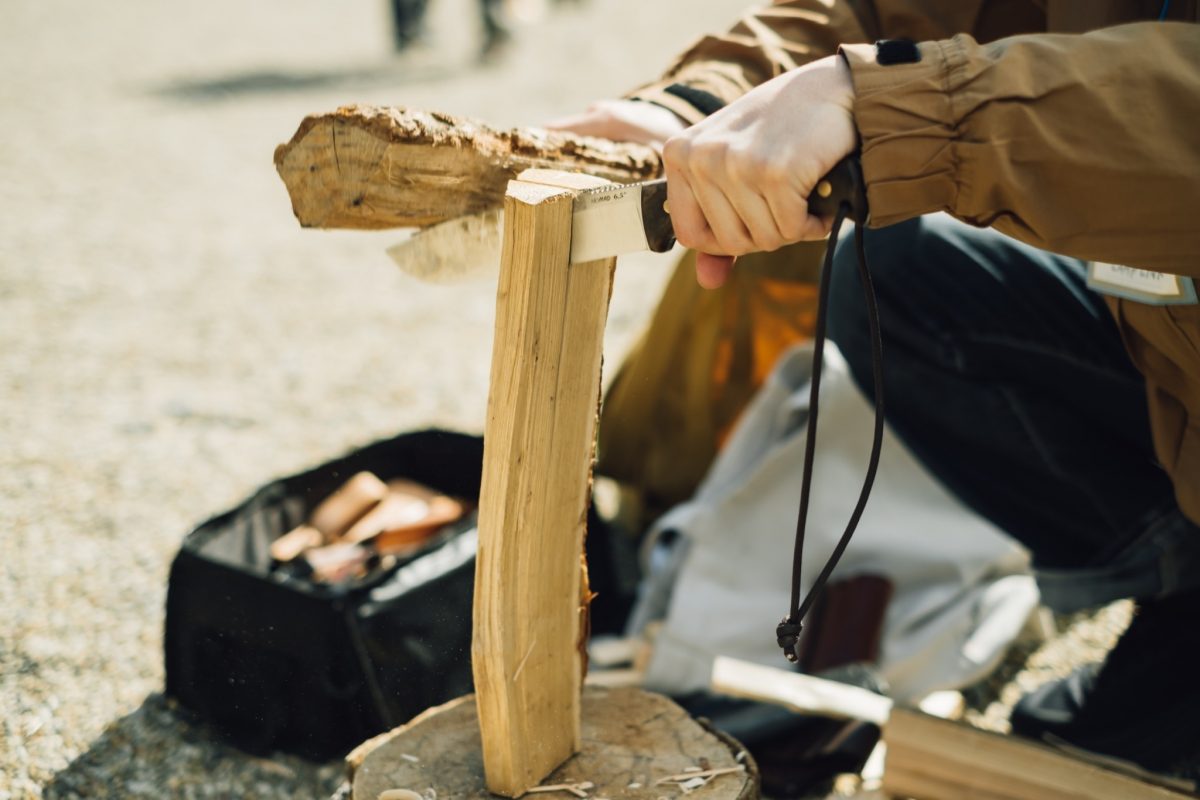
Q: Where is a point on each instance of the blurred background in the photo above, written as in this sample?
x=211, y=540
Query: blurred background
x=170, y=338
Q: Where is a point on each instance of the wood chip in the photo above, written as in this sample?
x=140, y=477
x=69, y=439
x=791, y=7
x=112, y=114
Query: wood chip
x=577, y=789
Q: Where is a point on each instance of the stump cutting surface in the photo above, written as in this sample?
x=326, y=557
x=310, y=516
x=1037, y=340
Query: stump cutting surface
x=631, y=740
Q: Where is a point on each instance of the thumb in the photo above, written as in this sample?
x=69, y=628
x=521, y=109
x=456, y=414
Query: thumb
x=712, y=271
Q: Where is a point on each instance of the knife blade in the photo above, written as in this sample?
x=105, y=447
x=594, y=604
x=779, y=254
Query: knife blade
x=622, y=218
x=606, y=221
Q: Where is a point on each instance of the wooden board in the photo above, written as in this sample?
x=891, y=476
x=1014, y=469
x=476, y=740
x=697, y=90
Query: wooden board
x=932, y=759
x=804, y=694
x=538, y=446
x=631, y=740
x=374, y=167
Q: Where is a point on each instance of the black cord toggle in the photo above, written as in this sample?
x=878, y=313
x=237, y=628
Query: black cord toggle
x=787, y=634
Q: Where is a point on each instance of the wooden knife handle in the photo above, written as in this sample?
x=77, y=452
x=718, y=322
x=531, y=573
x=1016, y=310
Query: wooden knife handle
x=842, y=184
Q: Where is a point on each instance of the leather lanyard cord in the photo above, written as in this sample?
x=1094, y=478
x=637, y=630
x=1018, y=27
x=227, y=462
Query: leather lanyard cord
x=788, y=631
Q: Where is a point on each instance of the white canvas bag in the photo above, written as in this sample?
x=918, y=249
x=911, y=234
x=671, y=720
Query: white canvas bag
x=719, y=583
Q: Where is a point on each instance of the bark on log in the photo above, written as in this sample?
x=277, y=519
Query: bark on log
x=370, y=167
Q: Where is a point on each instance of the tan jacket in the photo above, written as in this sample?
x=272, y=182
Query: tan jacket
x=1086, y=145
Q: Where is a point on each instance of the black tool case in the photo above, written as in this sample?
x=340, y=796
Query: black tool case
x=275, y=661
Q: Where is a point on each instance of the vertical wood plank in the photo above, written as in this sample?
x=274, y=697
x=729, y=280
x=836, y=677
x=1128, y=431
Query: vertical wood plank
x=538, y=447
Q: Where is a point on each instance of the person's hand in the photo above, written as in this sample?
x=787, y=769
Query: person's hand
x=624, y=121
x=739, y=181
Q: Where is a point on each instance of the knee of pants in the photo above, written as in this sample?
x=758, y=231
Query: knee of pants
x=889, y=252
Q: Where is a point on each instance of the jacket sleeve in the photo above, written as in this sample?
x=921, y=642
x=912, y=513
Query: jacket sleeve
x=772, y=39
x=1084, y=145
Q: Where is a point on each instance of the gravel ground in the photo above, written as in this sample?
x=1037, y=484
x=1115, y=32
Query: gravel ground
x=170, y=338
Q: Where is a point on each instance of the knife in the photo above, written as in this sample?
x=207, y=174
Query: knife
x=606, y=221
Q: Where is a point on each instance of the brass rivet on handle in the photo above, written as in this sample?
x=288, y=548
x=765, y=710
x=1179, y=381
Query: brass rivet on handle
x=667, y=207
x=824, y=188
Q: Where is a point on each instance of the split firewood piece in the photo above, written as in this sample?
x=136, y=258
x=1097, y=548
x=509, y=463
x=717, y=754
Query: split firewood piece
x=537, y=457
x=804, y=694
x=370, y=167
x=406, y=517
x=292, y=544
x=336, y=563
x=933, y=759
x=338, y=512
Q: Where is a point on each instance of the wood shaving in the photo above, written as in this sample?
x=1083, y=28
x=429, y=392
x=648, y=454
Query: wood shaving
x=411, y=758
x=708, y=774
x=577, y=789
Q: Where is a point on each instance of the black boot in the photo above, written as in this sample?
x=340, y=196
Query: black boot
x=1142, y=704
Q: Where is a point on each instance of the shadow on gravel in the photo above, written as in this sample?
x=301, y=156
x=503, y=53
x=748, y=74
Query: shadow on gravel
x=237, y=86
x=155, y=752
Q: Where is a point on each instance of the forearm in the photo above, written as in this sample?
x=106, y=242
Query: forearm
x=1080, y=144
x=773, y=39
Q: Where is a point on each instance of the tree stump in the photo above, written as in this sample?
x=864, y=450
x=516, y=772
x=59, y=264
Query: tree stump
x=632, y=741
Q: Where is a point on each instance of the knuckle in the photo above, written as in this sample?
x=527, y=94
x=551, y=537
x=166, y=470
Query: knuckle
x=758, y=168
x=767, y=241
x=710, y=157
x=690, y=232
x=792, y=226
x=738, y=243
x=676, y=152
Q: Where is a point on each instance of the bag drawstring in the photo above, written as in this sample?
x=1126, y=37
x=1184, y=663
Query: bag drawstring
x=788, y=632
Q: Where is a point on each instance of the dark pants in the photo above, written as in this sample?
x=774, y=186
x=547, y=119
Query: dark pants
x=1005, y=375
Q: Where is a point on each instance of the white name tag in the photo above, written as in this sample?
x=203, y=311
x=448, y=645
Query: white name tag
x=1142, y=285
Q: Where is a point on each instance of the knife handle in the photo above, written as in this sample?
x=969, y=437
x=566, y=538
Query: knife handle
x=842, y=184
x=656, y=217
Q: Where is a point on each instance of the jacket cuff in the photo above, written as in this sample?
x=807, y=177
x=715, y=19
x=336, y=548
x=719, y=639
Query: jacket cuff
x=718, y=80
x=907, y=128
x=677, y=105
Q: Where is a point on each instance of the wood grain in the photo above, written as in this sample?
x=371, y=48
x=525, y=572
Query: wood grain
x=631, y=740
x=372, y=167
x=538, y=447
x=932, y=759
